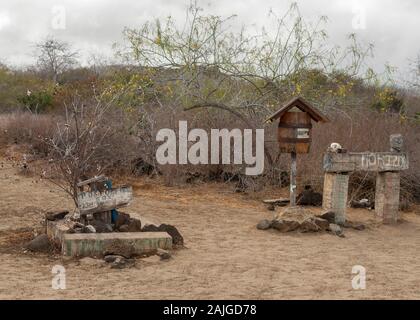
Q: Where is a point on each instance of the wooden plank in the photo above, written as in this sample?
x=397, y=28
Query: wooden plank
x=92, y=180
x=293, y=180
x=94, y=201
x=276, y=201
x=365, y=161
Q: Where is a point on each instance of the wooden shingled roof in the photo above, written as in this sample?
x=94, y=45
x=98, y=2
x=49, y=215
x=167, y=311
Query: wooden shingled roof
x=303, y=105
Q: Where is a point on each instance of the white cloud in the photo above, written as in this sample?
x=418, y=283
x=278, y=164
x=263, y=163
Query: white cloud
x=4, y=20
x=94, y=25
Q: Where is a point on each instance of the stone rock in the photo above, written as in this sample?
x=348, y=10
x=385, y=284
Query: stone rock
x=121, y=263
x=264, y=224
x=122, y=218
x=177, y=238
x=285, y=225
x=40, y=243
x=78, y=225
x=130, y=225
x=150, y=228
x=329, y=216
x=335, y=229
x=321, y=223
x=123, y=228
x=100, y=226
x=56, y=215
x=309, y=226
x=111, y=258
x=88, y=229
x=163, y=254
x=134, y=225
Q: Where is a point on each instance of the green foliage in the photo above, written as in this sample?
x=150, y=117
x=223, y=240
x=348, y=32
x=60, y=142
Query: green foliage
x=14, y=84
x=37, y=102
x=388, y=100
x=205, y=64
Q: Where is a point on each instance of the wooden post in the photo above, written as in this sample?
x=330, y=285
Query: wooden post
x=293, y=180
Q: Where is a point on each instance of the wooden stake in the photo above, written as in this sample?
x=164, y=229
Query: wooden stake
x=293, y=180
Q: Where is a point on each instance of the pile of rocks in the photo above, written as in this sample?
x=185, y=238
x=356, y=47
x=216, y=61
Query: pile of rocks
x=123, y=223
x=97, y=203
x=303, y=220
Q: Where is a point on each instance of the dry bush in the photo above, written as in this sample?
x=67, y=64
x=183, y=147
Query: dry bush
x=90, y=140
x=130, y=147
x=356, y=130
x=27, y=128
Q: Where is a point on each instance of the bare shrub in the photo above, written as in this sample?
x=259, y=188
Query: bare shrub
x=85, y=144
x=27, y=128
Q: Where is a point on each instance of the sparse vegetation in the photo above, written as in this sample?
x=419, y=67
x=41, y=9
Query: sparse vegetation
x=214, y=78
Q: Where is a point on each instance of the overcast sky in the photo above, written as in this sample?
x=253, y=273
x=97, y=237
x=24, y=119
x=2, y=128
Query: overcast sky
x=92, y=26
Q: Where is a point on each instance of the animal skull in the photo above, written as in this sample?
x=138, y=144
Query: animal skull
x=335, y=147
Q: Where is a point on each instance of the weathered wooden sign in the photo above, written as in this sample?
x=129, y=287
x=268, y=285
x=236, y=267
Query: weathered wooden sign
x=95, y=201
x=365, y=161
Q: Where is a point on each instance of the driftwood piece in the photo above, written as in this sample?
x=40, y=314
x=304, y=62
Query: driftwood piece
x=94, y=201
x=281, y=202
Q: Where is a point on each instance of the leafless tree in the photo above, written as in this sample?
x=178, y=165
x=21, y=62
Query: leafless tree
x=78, y=145
x=54, y=57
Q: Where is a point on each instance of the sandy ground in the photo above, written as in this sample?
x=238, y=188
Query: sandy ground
x=226, y=256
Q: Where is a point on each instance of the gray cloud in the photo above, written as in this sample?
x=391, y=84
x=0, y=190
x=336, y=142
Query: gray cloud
x=92, y=26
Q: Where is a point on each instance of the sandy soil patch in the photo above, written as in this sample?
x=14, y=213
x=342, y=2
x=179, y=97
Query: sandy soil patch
x=226, y=256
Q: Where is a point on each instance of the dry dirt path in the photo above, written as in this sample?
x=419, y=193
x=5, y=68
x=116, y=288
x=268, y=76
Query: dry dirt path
x=226, y=256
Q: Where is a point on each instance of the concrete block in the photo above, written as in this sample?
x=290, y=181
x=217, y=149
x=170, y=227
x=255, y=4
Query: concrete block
x=56, y=230
x=97, y=244
x=387, y=196
x=335, y=193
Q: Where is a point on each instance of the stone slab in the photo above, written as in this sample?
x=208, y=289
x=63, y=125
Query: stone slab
x=96, y=244
x=56, y=230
